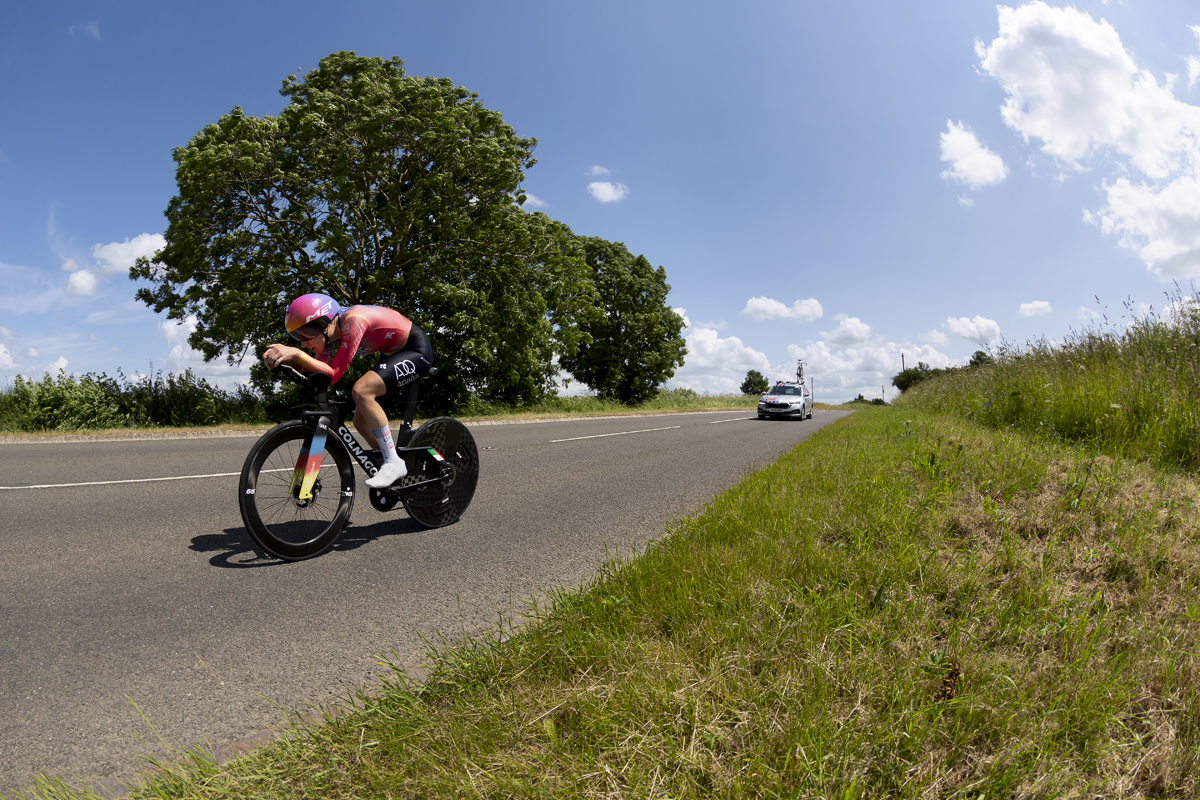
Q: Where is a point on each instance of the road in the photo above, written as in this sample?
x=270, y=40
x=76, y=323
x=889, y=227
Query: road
x=138, y=610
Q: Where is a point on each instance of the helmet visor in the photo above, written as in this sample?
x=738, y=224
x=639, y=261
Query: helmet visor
x=309, y=331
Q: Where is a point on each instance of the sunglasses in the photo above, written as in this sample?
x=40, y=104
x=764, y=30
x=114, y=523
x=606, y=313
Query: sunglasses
x=307, y=332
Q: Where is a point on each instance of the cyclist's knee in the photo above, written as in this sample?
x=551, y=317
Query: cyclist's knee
x=365, y=390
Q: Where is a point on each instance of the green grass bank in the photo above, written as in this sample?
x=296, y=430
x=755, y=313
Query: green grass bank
x=910, y=604
x=1129, y=388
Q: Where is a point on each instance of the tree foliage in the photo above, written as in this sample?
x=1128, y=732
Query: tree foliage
x=374, y=187
x=922, y=371
x=755, y=383
x=635, y=342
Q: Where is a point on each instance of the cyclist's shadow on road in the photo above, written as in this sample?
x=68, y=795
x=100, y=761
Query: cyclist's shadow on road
x=234, y=549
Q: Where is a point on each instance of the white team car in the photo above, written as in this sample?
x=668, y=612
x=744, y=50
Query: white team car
x=786, y=399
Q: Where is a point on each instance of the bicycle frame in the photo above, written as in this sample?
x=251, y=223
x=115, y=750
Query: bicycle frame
x=300, y=510
x=330, y=413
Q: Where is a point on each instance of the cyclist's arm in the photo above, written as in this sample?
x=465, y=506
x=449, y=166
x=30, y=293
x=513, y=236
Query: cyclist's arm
x=353, y=330
x=307, y=363
x=280, y=354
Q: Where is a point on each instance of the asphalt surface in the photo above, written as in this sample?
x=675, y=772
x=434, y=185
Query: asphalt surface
x=138, y=616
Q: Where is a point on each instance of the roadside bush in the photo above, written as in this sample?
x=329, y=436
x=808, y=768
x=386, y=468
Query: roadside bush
x=99, y=401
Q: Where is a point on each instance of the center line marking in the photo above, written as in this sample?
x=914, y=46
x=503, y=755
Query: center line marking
x=622, y=433
x=731, y=419
x=135, y=480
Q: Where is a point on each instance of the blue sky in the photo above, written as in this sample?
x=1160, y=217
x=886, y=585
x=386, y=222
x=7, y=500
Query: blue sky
x=841, y=183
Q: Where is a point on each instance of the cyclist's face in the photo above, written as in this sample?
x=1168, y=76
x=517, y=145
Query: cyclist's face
x=314, y=341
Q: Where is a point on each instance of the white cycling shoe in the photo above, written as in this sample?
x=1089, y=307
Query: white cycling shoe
x=388, y=474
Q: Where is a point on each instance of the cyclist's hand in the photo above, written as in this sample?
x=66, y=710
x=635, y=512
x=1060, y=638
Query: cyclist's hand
x=278, y=354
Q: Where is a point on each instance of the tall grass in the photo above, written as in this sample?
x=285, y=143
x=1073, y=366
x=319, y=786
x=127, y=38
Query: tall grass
x=1132, y=390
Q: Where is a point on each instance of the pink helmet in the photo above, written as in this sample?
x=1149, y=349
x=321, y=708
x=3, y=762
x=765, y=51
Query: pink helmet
x=310, y=314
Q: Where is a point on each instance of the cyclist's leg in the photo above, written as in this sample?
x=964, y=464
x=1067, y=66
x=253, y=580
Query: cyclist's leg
x=387, y=378
x=368, y=414
x=371, y=421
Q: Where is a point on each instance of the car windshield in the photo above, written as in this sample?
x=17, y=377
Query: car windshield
x=785, y=390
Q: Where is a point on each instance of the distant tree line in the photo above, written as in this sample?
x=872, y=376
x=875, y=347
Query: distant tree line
x=380, y=188
x=922, y=371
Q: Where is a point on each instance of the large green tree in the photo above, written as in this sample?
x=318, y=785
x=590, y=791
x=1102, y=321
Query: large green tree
x=635, y=342
x=375, y=187
x=755, y=383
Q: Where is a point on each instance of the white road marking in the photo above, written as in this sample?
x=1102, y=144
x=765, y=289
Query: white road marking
x=622, y=433
x=731, y=419
x=136, y=480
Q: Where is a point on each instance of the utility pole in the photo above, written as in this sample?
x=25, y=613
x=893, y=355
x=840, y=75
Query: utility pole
x=902, y=362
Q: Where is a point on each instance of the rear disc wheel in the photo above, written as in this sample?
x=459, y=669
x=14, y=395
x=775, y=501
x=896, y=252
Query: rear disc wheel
x=443, y=502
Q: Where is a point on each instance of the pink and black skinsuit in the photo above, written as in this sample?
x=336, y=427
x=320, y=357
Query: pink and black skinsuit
x=406, y=352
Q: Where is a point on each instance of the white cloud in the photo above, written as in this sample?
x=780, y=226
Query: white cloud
x=81, y=283
x=1086, y=314
x=935, y=338
x=58, y=366
x=764, y=308
x=36, y=292
x=6, y=335
x=70, y=265
x=840, y=375
x=533, y=201
x=6, y=359
x=1035, y=309
x=966, y=200
x=607, y=192
x=971, y=163
x=714, y=365
x=850, y=331
x=183, y=357
x=120, y=256
x=177, y=332
x=597, y=171
x=1193, y=63
x=91, y=29
x=981, y=330
x=31, y=352
x=1072, y=85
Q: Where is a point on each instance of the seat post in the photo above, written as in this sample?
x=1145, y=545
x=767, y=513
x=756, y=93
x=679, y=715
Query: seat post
x=410, y=408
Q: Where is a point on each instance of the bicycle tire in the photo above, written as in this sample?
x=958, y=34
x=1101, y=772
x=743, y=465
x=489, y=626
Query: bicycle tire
x=441, y=503
x=281, y=524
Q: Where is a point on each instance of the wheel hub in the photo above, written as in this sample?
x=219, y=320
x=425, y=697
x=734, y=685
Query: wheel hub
x=316, y=490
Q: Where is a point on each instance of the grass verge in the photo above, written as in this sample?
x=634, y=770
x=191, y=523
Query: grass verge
x=1131, y=387
x=908, y=605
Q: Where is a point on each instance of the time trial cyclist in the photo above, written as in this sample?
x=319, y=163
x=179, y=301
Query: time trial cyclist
x=317, y=321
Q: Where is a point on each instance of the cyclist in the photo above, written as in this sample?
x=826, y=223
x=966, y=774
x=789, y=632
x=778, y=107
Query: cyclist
x=317, y=320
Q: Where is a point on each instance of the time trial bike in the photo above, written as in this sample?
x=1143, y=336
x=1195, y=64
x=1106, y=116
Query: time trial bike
x=297, y=486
